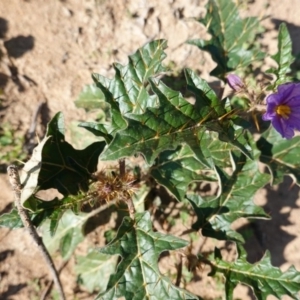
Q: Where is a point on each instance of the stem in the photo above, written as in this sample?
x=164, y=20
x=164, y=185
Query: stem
x=130, y=208
x=17, y=187
x=179, y=270
x=129, y=202
x=122, y=168
x=100, y=209
x=50, y=284
x=258, y=107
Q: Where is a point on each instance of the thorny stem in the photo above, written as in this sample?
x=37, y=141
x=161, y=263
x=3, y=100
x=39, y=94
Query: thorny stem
x=122, y=168
x=17, y=187
x=129, y=202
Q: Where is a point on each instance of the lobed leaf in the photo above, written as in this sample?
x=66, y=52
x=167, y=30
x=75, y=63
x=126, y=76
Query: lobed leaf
x=127, y=92
x=176, y=121
x=280, y=155
x=68, y=234
x=283, y=57
x=56, y=164
x=137, y=276
x=262, y=277
x=178, y=168
x=233, y=202
x=232, y=38
x=91, y=97
x=94, y=269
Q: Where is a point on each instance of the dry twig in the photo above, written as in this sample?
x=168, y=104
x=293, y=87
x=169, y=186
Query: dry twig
x=17, y=187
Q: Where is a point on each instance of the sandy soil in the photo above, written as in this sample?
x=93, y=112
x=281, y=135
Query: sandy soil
x=50, y=48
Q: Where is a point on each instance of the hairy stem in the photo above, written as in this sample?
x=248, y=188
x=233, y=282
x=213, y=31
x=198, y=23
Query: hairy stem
x=16, y=185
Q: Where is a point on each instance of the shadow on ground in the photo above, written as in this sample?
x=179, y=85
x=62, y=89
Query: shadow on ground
x=262, y=235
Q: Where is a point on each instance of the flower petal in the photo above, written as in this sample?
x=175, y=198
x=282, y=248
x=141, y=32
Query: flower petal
x=268, y=116
x=294, y=102
x=274, y=100
x=288, y=91
x=293, y=121
x=283, y=127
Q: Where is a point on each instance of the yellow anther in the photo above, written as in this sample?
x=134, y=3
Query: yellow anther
x=283, y=111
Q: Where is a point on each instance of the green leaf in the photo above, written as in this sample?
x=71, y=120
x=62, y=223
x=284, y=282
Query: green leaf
x=283, y=57
x=233, y=202
x=127, y=92
x=262, y=277
x=218, y=151
x=137, y=276
x=68, y=234
x=94, y=269
x=232, y=38
x=97, y=129
x=177, y=169
x=41, y=210
x=91, y=97
x=11, y=220
x=174, y=122
x=56, y=164
x=282, y=156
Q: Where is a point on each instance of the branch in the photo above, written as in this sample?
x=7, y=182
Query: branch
x=17, y=187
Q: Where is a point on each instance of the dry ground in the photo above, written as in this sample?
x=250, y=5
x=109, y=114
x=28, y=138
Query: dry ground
x=50, y=48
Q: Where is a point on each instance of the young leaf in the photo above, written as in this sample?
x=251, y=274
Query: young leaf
x=94, y=269
x=280, y=155
x=137, y=276
x=232, y=38
x=234, y=201
x=283, y=57
x=56, y=164
x=262, y=277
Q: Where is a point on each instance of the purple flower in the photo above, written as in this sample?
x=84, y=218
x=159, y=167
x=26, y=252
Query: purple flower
x=235, y=82
x=283, y=109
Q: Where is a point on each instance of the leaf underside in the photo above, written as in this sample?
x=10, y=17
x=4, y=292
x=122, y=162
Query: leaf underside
x=56, y=164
